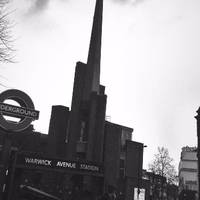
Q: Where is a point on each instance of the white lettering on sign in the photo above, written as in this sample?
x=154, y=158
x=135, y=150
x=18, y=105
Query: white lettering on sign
x=38, y=161
x=66, y=164
x=31, y=161
x=89, y=167
x=18, y=110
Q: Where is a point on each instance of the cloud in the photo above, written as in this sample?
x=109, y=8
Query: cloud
x=132, y=2
x=38, y=6
x=136, y=2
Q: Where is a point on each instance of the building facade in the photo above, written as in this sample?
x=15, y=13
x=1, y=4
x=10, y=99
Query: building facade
x=188, y=170
x=159, y=189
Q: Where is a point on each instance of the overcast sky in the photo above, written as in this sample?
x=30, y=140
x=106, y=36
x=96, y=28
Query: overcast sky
x=150, y=63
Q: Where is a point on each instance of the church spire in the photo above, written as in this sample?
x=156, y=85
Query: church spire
x=94, y=55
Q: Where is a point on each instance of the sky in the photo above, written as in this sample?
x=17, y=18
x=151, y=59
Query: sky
x=150, y=63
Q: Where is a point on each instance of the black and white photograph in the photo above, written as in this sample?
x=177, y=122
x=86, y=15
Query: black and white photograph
x=99, y=100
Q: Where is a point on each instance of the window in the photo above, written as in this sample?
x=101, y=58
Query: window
x=82, y=132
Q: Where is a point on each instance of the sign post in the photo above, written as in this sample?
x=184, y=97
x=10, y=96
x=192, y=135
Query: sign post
x=26, y=113
x=4, y=161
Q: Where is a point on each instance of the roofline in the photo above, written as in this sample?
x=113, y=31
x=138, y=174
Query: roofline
x=121, y=126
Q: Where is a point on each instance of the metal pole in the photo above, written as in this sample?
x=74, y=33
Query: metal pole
x=6, y=149
x=198, y=149
x=12, y=174
x=138, y=181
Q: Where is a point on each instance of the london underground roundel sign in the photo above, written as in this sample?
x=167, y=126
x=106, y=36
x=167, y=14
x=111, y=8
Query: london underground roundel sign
x=25, y=112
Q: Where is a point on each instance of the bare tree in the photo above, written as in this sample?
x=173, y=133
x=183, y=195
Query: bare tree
x=162, y=165
x=6, y=49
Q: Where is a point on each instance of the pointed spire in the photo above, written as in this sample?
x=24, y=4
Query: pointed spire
x=94, y=55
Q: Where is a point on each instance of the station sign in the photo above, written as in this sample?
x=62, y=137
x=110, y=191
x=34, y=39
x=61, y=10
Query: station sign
x=15, y=111
x=26, y=160
x=26, y=112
